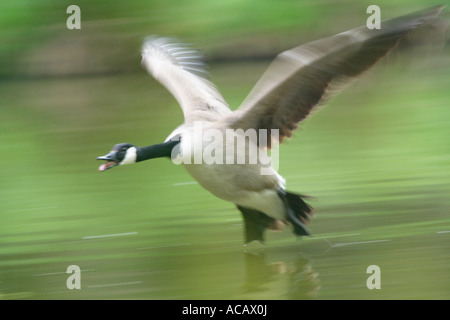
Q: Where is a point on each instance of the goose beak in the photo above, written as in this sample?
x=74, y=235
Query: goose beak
x=111, y=161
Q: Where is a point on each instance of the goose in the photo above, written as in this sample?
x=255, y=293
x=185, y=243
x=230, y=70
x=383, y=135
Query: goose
x=239, y=141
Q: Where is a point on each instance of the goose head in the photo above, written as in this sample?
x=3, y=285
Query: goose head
x=127, y=153
x=122, y=153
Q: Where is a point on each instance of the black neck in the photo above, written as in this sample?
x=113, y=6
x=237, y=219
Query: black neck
x=156, y=151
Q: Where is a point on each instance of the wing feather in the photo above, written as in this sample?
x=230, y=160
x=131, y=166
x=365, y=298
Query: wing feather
x=184, y=73
x=302, y=78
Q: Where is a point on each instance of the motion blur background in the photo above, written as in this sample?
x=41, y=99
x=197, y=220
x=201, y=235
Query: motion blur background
x=376, y=159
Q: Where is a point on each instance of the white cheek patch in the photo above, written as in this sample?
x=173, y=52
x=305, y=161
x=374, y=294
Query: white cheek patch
x=130, y=156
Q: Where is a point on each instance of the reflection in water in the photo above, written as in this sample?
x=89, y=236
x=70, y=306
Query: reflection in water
x=295, y=280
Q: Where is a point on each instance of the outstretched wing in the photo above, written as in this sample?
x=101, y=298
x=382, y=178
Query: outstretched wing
x=302, y=78
x=183, y=72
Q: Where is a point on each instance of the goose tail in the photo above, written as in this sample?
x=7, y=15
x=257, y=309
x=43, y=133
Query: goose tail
x=298, y=212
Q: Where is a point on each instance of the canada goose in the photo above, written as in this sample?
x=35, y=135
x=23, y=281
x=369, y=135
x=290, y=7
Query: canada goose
x=297, y=81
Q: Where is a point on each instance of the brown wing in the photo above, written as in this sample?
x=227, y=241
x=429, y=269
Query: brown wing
x=302, y=78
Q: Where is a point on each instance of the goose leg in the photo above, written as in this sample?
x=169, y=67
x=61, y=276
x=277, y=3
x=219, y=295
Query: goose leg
x=255, y=223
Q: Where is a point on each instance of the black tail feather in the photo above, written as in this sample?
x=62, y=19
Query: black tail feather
x=298, y=212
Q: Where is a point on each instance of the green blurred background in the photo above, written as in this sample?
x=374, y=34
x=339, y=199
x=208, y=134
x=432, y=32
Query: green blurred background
x=376, y=159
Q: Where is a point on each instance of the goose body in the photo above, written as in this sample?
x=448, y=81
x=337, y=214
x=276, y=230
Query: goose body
x=242, y=184
x=225, y=150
